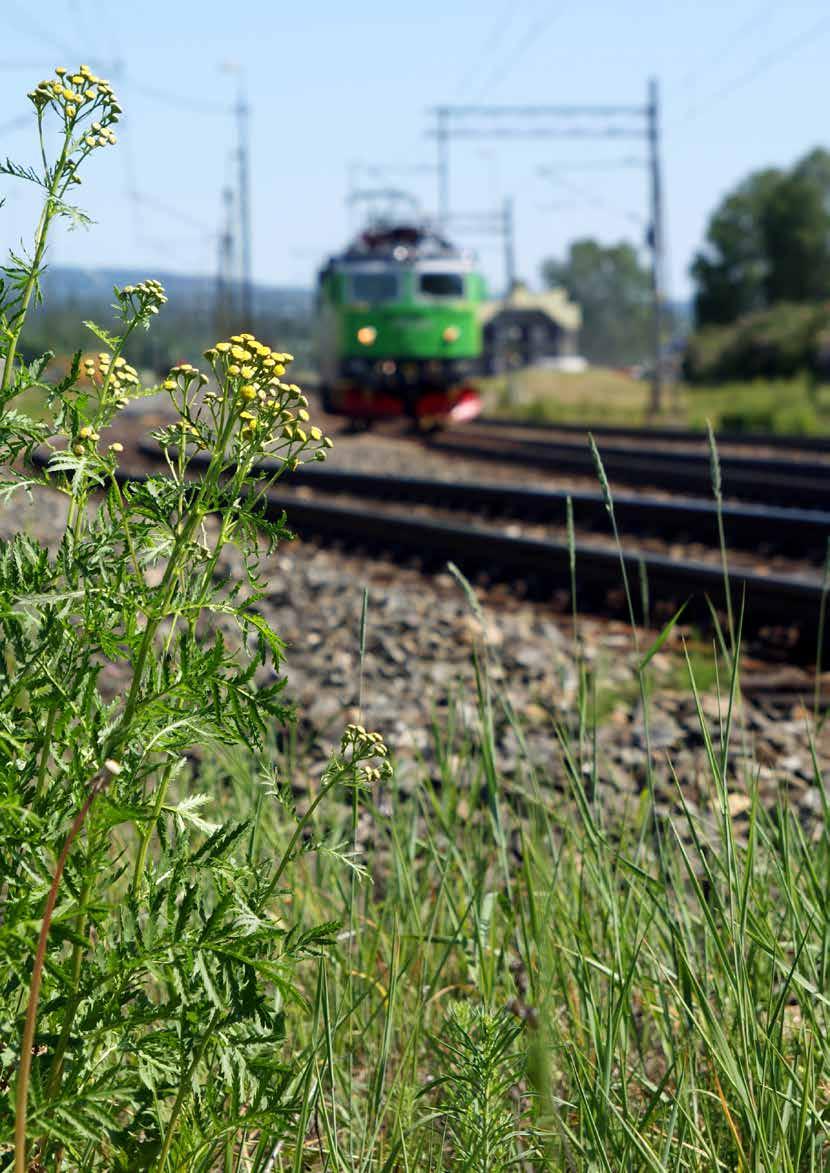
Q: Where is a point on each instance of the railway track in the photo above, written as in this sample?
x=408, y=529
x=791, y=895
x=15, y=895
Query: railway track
x=800, y=533
x=782, y=611
x=764, y=481
x=658, y=435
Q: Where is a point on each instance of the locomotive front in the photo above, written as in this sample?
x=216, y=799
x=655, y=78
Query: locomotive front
x=398, y=328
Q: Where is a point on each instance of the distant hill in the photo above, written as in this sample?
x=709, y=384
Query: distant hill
x=85, y=286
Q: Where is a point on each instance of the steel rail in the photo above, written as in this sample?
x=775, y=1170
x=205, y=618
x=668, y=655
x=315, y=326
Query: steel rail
x=789, y=606
x=740, y=462
x=778, y=482
x=646, y=435
x=799, y=533
x=785, y=610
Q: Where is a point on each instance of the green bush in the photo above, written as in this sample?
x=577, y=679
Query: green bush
x=778, y=343
x=779, y=407
x=705, y=355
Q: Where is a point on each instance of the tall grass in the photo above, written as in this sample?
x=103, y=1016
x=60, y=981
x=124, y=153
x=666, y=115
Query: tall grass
x=599, y=1006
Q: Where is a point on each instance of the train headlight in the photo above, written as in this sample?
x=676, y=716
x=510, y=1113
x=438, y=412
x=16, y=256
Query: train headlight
x=366, y=335
x=451, y=334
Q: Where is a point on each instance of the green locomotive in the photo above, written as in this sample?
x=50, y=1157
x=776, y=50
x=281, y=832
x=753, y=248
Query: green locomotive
x=397, y=326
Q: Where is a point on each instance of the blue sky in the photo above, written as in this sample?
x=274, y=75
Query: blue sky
x=330, y=83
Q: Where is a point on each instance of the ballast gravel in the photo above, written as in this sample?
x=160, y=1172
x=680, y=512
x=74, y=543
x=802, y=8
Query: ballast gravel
x=417, y=680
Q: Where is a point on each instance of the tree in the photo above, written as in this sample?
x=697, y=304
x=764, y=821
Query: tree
x=614, y=290
x=731, y=270
x=796, y=229
x=768, y=241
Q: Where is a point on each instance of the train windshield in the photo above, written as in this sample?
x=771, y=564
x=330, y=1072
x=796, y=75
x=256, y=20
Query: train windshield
x=441, y=284
x=374, y=287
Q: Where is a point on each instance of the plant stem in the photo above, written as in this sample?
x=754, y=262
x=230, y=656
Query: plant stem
x=80, y=490
x=125, y=521
x=41, y=234
x=303, y=822
x=822, y=615
x=56, y=1069
x=146, y=836
x=184, y=1083
x=168, y=581
x=47, y=745
x=153, y=622
x=27, y=1043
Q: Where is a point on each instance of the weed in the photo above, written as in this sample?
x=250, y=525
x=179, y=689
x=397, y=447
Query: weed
x=146, y=957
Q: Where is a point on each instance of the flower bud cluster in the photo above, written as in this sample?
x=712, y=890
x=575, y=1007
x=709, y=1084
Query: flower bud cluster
x=85, y=440
x=120, y=377
x=270, y=412
x=183, y=379
x=145, y=298
x=76, y=94
x=182, y=375
x=361, y=750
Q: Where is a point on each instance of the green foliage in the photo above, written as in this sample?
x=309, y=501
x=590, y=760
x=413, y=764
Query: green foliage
x=777, y=343
x=146, y=959
x=768, y=241
x=613, y=290
x=478, y=1051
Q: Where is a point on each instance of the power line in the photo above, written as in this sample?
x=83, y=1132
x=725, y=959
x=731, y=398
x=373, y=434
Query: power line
x=562, y=110
x=590, y=197
x=735, y=39
x=136, y=198
x=490, y=42
x=599, y=164
x=531, y=36
x=378, y=169
x=177, y=101
x=16, y=63
x=81, y=20
x=151, y=201
x=127, y=152
x=35, y=29
x=760, y=67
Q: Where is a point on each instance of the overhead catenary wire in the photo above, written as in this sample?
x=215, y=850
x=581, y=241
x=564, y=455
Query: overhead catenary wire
x=531, y=36
x=81, y=23
x=761, y=66
x=588, y=196
x=179, y=101
x=7, y=63
x=599, y=164
x=491, y=41
x=151, y=201
x=136, y=198
x=733, y=41
x=34, y=28
x=130, y=170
